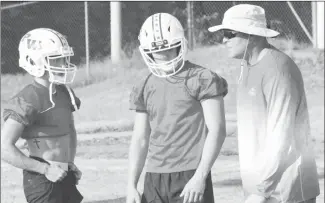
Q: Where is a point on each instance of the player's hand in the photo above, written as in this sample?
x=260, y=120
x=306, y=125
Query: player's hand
x=193, y=190
x=133, y=196
x=54, y=173
x=76, y=171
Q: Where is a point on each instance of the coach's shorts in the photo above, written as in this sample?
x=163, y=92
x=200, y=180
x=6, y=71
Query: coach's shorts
x=38, y=189
x=166, y=187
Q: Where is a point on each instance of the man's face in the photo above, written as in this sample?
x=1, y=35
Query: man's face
x=235, y=43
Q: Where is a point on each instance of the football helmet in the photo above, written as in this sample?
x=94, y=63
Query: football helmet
x=44, y=49
x=161, y=32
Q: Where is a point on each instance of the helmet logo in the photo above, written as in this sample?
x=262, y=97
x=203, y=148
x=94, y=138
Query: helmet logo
x=159, y=44
x=34, y=44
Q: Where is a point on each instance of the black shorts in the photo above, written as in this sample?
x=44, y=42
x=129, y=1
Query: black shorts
x=38, y=189
x=166, y=187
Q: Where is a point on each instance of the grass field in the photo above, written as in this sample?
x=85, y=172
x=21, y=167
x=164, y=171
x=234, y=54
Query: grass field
x=102, y=152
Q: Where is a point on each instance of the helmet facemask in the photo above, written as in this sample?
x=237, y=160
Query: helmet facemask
x=59, y=67
x=169, y=67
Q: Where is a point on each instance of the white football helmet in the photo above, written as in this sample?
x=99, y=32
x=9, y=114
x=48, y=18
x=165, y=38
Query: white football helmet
x=161, y=32
x=41, y=50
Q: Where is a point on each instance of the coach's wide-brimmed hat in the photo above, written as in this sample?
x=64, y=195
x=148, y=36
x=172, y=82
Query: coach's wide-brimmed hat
x=246, y=18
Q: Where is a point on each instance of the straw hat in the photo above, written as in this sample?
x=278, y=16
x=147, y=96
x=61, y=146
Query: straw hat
x=245, y=18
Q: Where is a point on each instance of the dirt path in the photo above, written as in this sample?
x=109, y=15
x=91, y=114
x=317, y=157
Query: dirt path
x=103, y=160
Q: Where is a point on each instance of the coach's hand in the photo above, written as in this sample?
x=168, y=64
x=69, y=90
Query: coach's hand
x=133, y=196
x=193, y=190
x=54, y=173
x=76, y=171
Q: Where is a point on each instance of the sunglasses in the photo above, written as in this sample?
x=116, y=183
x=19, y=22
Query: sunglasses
x=229, y=34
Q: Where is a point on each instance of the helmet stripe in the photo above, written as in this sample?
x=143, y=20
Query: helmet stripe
x=153, y=27
x=157, y=27
x=56, y=35
x=161, y=35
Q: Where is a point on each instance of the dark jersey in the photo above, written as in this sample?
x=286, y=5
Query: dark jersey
x=178, y=130
x=29, y=107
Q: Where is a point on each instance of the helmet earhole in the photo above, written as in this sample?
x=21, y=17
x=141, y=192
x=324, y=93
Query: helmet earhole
x=28, y=59
x=32, y=62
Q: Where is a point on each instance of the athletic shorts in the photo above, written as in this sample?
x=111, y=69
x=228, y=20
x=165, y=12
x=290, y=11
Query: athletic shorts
x=313, y=200
x=167, y=187
x=38, y=189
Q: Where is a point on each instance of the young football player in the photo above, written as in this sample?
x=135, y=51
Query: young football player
x=179, y=121
x=41, y=113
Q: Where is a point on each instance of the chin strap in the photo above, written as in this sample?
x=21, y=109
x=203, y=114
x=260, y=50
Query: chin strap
x=242, y=62
x=72, y=98
x=73, y=101
x=51, y=98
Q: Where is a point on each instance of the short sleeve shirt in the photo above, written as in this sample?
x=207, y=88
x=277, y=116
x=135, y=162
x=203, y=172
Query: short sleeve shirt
x=178, y=130
x=31, y=107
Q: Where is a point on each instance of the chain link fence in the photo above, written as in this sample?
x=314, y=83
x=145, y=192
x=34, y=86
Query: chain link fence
x=64, y=17
x=69, y=19
x=279, y=15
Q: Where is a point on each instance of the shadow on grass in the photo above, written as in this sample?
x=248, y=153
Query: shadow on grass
x=229, y=182
x=238, y=182
x=118, y=200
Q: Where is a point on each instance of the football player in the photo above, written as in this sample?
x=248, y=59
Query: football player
x=179, y=122
x=41, y=113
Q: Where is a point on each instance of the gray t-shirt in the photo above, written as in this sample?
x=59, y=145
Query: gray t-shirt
x=178, y=130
